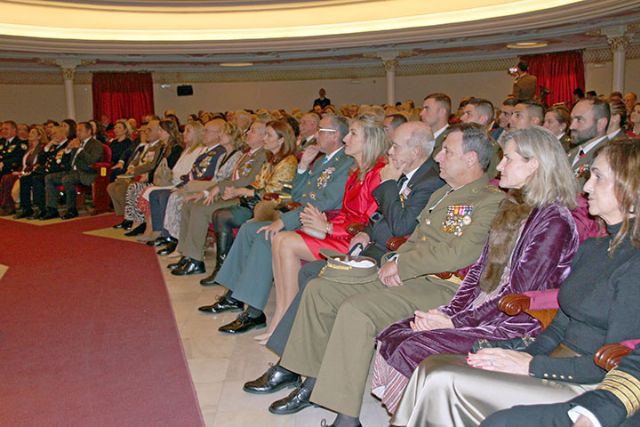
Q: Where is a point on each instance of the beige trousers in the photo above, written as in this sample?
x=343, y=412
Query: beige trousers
x=333, y=335
x=194, y=225
x=118, y=192
x=445, y=391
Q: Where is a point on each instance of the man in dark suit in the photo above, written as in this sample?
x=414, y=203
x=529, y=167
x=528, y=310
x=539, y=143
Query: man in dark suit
x=589, y=122
x=614, y=403
x=436, y=109
x=400, y=201
x=85, y=150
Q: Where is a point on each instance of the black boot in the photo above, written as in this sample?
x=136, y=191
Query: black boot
x=224, y=241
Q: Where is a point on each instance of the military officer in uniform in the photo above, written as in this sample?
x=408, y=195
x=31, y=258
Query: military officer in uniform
x=332, y=339
x=589, y=122
x=613, y=403
x=198, y=208
x=400, y=201
x=321, y=185
x=12, y=149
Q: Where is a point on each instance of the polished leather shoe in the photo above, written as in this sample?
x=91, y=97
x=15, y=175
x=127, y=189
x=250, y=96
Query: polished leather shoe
x=136, y=231
x=125, y=224
x=190, y=267
x=210, y=280
x=223, y=304
x=297, y=400
x=243, y=324
x=182, y=261
x=37, y=214
x=158, y=241
x=276, y=378
x=168, y=249
x=24, y=214
x=50, y=214
x=70, y=213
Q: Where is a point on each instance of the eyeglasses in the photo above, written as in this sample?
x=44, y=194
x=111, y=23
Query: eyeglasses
x=326, y=130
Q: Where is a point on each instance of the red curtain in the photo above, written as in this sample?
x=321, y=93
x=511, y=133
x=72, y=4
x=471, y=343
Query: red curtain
x=560, y=73
x=122, y=95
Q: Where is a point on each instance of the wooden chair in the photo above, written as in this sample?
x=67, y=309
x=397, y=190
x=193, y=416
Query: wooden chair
x=543, y=305
x=608, y=356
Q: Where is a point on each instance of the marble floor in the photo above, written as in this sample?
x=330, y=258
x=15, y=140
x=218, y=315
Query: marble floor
x=221, y=364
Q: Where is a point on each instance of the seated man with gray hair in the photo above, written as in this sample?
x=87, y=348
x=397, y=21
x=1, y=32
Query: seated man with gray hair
x=332, y=339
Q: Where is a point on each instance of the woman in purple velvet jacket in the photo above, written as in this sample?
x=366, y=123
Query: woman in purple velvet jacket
x=532, y=241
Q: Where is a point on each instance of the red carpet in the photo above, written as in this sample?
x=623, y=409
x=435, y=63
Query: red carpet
x=87, y=335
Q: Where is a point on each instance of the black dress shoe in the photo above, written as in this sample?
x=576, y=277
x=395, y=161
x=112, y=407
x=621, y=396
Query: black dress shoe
x=244, y=323
x=138, y=230
x=159, y=241
x=210, y=280
x=125, y=224
x=223, y=304
x=37, y=214
x=297, y=400
x=276, y=378
x=168, y=249
x=24, y=214
x=50, y=214
x=182, y=261
x=190, y=267
x=70, y=213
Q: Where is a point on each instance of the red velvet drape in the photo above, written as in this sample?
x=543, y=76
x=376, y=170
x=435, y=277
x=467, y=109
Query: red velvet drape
x=560, y=72
x=122, y=95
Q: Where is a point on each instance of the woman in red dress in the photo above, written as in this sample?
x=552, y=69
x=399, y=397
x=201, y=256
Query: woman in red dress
x=367, y=143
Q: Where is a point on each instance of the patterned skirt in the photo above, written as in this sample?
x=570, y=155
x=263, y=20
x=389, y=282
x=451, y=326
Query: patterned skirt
x=132, y=211
x=173, y=214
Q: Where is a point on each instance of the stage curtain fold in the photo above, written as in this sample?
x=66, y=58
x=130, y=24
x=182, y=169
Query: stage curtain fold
x=560, y=73
x=122, y=95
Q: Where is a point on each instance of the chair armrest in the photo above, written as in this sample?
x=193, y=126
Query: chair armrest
x=355, y=228
x=608, y=356
x=514, y=304
x=395, y=242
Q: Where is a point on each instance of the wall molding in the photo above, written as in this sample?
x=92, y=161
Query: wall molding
x=591, y=56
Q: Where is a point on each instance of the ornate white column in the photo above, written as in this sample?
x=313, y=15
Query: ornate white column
x=68, y=67
x=390, y=64
x=618, y=39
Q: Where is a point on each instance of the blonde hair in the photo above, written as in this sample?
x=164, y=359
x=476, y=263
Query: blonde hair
x=235, y=134
x=376, y=142
x=198, y=133
x=554, y=180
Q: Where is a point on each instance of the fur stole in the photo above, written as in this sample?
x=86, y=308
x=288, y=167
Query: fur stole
x=505, y=231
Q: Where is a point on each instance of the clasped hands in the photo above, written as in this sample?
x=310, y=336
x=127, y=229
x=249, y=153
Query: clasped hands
x=430, y=320
x=312, y=217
